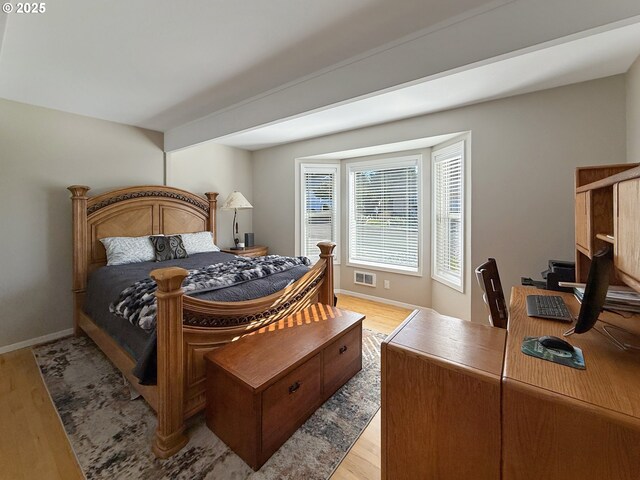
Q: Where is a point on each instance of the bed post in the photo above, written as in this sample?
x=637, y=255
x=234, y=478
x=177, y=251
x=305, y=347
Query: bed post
x=213, y=205
x=79, y=284
x=326, y=289
x=170, y=436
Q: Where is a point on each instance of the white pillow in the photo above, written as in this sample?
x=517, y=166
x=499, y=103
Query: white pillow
x=123, y=250
x=198, y=242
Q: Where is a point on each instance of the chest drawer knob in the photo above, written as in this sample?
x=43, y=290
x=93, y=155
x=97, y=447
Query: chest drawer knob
x=343, y=349
x=294, y=387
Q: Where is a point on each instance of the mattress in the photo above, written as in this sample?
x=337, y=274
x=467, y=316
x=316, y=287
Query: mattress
x=105, y=284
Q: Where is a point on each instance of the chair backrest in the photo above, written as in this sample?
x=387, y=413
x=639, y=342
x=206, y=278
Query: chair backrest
x=489, y=280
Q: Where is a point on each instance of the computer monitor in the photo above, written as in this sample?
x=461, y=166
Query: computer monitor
x=595, y=291
x=593, y=300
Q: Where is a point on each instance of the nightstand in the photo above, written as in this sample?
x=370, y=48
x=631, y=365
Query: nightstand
x=255, y=251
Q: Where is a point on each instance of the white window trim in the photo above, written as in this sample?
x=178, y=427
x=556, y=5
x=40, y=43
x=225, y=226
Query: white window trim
x=446, y=153
x=301, y=167
x=355, y=166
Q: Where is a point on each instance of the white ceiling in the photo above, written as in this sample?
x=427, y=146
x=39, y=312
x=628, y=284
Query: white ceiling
x=161, y=63
x=594, y=56
x=255, y=73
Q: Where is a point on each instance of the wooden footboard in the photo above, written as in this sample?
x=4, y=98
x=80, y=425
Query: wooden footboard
x=186, y=329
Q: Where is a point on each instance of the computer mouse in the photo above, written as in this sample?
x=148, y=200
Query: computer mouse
x=556, y=343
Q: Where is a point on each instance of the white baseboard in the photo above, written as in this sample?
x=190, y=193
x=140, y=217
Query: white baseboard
x=36, y=341
x=381, y=300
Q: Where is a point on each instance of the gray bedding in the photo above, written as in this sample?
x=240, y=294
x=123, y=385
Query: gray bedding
x=105, y=284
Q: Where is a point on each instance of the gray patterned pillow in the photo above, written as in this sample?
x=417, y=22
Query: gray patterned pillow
x=123, y=250
x=168, y=247
x=198, y=242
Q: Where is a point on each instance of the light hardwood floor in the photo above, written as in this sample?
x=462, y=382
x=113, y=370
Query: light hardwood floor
x=33, y=443
x=380, y=316
x=363, y=460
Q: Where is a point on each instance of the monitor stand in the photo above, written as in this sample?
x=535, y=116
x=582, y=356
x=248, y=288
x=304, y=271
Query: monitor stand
x=607, y=332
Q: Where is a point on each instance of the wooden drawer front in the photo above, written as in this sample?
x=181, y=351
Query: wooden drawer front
x=342, y=360
x=258, y=253
x=287, y=404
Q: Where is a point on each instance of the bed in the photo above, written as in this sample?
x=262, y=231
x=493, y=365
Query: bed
x=187, y=327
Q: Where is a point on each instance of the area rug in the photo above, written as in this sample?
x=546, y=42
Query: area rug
x=111, y=434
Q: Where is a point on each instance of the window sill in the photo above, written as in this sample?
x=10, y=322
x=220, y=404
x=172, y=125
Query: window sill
x=447, y=283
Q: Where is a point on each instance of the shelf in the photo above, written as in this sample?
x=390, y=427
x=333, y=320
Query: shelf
x=607, y=209
x=633, y=172
x=583, y=250
x=606, y=238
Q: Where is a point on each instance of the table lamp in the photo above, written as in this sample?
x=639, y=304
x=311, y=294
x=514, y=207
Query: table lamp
x=235, y=201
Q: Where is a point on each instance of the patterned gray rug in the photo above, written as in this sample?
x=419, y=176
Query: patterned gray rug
x=111, y=434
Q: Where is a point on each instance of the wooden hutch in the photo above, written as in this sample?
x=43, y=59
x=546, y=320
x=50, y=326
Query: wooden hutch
x=608, y=211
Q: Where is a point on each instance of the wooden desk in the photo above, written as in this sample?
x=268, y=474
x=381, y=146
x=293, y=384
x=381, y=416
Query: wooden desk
x=556, y=419
x=441, y=399
x=452, y=409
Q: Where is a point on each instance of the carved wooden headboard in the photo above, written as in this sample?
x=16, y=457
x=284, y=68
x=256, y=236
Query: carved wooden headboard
x=132, y=212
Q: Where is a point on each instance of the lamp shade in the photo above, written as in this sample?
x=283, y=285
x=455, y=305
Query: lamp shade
x=236, y=201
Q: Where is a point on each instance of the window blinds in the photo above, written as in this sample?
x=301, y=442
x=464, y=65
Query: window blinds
x=384, y=214
x=448, y=221
x=319, y=208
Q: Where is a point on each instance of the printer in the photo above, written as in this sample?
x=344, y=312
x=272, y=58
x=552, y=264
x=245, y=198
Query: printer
x=558, y=271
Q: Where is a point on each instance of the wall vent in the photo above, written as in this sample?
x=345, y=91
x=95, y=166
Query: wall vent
x=364, y=278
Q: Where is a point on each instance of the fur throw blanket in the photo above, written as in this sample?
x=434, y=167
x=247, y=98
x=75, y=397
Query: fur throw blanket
x=137, y=303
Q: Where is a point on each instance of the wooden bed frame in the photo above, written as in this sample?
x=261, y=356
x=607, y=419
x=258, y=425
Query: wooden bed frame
x=184, y=324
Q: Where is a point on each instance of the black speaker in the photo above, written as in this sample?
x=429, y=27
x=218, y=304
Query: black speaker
x=248, y=240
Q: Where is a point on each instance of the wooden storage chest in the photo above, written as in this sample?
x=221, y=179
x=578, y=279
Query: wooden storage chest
x=261, y=388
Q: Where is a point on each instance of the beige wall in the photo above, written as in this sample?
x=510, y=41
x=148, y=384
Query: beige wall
x=524, y=151
x=216, y=168
x=633, y=113
x=42, y=152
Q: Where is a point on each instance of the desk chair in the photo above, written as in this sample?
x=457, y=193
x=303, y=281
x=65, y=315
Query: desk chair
x=489, y=280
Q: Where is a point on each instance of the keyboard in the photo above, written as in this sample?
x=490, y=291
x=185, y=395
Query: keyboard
x=548, y=306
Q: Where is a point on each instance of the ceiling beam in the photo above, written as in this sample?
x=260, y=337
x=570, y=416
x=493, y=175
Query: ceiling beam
x=459, y=44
